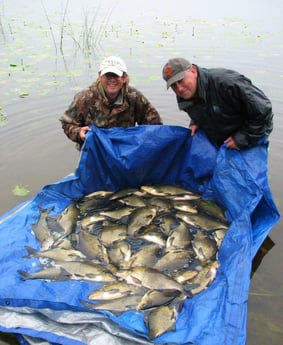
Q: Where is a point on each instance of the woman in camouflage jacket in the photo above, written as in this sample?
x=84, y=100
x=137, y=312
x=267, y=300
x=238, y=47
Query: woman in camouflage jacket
x=108, y=102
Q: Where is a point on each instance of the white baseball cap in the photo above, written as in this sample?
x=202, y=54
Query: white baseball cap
x=113, y=64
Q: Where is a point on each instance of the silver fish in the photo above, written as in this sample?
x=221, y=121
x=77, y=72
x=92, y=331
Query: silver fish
x=133, y=201
x=185, y=197
x=64, y=243
x=201, y=221
x=112, y=233
x=117, y=214
x=185, y=207
x=120, y=253
x=218, y=236
x=173, y=260
x=93, y=200
x=139, y=218
x=41, y=230
x=203, y=279
x=212, y=209
x=87, y=270
x=147, y=256
x=68, y=219
x=115, y=290
x=161, y=203
x=155, y=298
x=86, y=221
x=97, y=194
x=167, y=223
x=56, y=254
x=50, y=273
x=65, y=224
x=185, y=275
x=165, y=190
x=162, y=319
x=149, y=278
x=179, y=238
x=204, y=247
x=91, y=247
x=116, y=306
x=151, y=234
x=123, y=193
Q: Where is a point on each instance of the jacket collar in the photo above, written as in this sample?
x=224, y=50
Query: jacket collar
x=202, y=82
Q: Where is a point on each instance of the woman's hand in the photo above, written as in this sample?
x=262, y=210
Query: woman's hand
x=83, y=131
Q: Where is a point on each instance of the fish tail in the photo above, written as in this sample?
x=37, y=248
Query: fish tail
x=31, y=252
x=24, y=275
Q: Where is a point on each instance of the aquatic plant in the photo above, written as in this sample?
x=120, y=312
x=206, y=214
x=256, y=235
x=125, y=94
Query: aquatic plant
x=21, y=190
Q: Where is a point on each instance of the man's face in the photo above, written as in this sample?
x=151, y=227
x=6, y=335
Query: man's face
x=186, y=88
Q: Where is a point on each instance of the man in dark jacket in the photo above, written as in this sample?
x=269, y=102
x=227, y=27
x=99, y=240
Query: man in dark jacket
x=221, y=102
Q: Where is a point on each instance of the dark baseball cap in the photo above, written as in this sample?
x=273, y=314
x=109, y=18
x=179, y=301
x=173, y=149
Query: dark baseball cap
x=174, y=70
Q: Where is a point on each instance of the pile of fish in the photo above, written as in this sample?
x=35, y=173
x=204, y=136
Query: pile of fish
x=150, y=248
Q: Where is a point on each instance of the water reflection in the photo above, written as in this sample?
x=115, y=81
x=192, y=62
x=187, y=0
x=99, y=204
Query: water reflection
x=266, y=246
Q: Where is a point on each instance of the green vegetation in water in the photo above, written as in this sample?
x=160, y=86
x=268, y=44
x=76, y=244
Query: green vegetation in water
x=3, y=117
x=20, y=190
x=23, y=95
x=21, y=64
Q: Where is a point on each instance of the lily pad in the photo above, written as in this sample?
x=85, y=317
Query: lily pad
x=3, y=117
x=23, y=95
x=21, y=190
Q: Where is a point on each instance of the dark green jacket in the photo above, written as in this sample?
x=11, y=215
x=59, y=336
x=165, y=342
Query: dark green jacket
x=228, y=104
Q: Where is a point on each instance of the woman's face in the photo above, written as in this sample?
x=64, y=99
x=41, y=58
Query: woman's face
x=186, y=88
x=112, y=84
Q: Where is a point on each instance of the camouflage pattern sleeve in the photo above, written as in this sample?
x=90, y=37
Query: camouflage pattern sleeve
x=70, y=127
x=74, y=117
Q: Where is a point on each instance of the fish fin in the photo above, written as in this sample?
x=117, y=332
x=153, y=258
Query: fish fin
x=65, y=274
x=24, y=275
x=178, y=302
x=189, y=288
x=92, y=307
x=31, y=252
x=53, y=224
x=86, y=304
x=45, y=210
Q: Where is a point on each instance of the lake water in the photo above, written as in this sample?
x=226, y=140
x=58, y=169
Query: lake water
x=51, y=49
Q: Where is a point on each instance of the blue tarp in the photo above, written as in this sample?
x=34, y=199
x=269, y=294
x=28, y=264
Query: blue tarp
x=114, y=159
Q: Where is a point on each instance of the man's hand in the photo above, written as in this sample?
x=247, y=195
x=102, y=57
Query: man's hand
x=83, y=131
x=230, y=144
x=193, y=129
